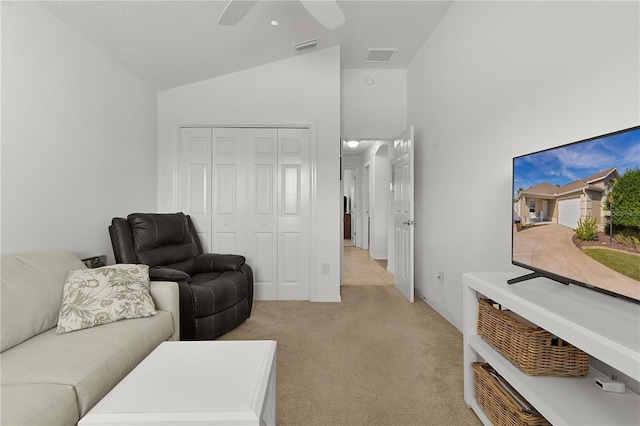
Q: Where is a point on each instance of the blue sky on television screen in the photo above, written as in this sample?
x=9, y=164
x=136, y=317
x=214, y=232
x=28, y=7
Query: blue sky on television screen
x=565, y=164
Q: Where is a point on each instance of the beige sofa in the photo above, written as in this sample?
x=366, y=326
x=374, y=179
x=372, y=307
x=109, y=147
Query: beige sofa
x=55, y=379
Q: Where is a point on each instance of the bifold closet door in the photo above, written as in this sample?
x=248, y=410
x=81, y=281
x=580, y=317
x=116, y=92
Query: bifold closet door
x=228, y=191
x=248, y=192
x=278, y=212
x=195, y=180
x=213, y=185
x=262, y=211
x=294, y=214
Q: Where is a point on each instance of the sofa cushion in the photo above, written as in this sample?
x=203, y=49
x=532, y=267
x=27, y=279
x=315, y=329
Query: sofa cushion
x=102, y=295
x=38, y=404
x=92, y=360
x=31, y=293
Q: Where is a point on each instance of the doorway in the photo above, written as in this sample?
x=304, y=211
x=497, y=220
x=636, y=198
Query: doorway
x=351, y=206
x=367, y=192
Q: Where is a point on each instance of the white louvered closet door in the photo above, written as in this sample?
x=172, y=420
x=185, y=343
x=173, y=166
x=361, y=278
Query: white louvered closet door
x=252, y=197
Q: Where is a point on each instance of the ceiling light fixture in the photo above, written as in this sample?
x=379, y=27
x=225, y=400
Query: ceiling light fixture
x=353, y=144
x=274, y=23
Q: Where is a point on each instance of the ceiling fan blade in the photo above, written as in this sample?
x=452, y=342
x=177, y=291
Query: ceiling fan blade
x=327, y=12
x=235, y=11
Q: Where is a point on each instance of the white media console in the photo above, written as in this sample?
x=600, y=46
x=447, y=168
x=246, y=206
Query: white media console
x=605, y=327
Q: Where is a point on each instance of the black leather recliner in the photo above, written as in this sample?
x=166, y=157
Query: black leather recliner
x=216, y=290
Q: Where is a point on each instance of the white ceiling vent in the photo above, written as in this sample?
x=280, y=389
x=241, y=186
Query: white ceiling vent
x=380, y=55
x=306, y=45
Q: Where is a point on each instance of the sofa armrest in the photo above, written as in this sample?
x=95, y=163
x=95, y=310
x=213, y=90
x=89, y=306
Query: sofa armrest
x=166, y=297
x=210, y=262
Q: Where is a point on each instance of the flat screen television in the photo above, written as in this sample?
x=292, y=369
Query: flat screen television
x=565, y=200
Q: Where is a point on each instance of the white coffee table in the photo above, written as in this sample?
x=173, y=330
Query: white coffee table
x=195, y=383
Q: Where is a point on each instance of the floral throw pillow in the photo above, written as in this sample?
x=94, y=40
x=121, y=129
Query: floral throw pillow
x=98, y=296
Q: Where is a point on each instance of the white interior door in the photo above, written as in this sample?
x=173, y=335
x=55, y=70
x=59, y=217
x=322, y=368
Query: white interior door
x=404, y=223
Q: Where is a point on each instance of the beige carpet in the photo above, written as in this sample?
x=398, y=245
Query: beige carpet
x=373, y=359
x=361, y=269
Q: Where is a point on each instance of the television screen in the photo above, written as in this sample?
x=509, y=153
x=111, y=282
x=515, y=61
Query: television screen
x=576, y=213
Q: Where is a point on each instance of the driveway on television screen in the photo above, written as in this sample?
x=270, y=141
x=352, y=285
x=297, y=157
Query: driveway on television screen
x=550, y=247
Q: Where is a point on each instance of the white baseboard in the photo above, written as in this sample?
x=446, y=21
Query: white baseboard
x=328, y=299
x=439, y=309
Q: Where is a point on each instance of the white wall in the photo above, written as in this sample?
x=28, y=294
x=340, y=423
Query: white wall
x=496, y=80
x=303, y=88
x=380, y=201
x=78, y=137
x=376, y=111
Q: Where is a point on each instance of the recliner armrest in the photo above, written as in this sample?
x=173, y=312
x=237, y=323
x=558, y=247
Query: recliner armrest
x=166, y=297
x=211, y=262
x=161, y=273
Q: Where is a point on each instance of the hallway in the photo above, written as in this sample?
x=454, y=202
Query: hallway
x=361, y=269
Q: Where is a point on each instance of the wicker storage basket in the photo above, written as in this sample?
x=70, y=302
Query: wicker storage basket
x=498, y=407
x=534, y=350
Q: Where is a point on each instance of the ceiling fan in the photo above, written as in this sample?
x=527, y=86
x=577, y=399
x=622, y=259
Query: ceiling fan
x=327, y=12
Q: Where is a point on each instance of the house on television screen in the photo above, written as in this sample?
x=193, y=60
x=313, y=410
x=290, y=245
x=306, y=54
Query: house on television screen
x=567, y=204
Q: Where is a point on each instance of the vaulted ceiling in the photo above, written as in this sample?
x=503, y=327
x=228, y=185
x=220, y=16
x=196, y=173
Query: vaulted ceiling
x=173, y=43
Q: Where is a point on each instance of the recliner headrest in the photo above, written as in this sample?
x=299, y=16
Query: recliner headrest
x=151, y=230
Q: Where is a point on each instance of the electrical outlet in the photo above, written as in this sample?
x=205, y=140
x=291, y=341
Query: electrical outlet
x=325, y=268
x=441, y=277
